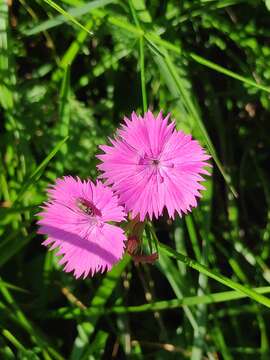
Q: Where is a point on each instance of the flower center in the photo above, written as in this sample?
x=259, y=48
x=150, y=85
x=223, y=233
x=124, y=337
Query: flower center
x=158, y=165
x=87, y=207
x=155, y=162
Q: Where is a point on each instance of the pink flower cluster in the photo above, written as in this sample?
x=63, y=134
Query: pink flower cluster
x=148, y=167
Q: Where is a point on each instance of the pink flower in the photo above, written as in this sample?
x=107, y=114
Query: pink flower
x=77, y=221
x=152, y=166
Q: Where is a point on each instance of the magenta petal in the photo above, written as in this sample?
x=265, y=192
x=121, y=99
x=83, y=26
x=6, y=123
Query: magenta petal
x=75, y=221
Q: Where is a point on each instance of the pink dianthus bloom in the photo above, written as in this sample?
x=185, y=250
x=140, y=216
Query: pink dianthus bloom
x=152, y=166
x=77, y=219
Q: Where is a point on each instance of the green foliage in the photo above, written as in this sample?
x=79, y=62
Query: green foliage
x=69, y=71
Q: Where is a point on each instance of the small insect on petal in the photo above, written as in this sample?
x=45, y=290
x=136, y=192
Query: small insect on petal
x=79, y=220
x=87, y=207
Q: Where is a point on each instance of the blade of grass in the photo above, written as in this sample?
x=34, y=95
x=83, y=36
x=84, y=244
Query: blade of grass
x=178, y=284
x=67, y=15
x=200, y=60
x=9, y=248
x=141, y=56
x=17, y=315
x=193, y=236
x=64, y=109
x=15, y=342
x=141, y=9
x=220, y=341
x=64, y=116
x=216, y=276
x=206, y=7
x=73, y=12
x=4, y=188
x=72, y=52
x=201, y=313
x=102, y=295
x=13, y=287
x=97, y=346
x=142, y=71
x=6, y=352
x=175, y=83
x=67, y=313
x=9, y=97
x=203, y=223
x=6, y=95
x=194, y=113
x=152, y=37
x=39, y=170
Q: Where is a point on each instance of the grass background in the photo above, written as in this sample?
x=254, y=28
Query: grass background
x=69, y=71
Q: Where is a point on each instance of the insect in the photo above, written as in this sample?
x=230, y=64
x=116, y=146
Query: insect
x=86, y=206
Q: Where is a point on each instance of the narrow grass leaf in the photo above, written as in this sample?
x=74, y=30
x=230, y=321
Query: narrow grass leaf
x=100, y=298
x=72, y=13
x=199, y=59
x=67, y=15
x=218, y=277
x=67, y=313
x=6, y=95
x=17, y=315
x=72, y=52
x=39, y=170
